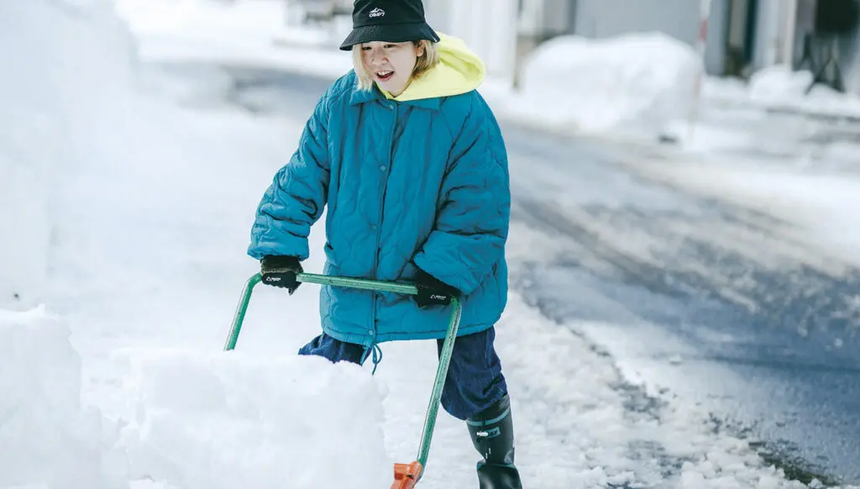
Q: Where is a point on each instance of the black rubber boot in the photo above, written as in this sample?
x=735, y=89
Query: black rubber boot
x=493, y=436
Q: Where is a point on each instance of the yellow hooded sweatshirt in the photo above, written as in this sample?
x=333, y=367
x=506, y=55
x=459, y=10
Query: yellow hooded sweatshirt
x=458, y=71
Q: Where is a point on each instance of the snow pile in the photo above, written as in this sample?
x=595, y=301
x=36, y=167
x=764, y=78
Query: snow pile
x=778, y=84
x=780, y=87
x=638, y=81
x=31, y=139
x=231, y=420
x=240, y=21
x=47, y=439
x=245, y=33
x=58, y=104
x=81, y=157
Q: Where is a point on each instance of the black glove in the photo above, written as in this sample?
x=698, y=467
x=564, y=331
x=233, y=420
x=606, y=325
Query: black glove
x=280, y=271
x=433, y=292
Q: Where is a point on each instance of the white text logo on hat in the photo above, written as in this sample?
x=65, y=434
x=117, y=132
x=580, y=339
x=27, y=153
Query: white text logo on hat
x=377, y=12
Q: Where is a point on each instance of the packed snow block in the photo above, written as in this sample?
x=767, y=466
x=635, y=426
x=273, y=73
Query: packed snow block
x=47, y=439
x=637, y=82
x=63, y=106
x=228, y=420
x=30, y=142
x=24, y=233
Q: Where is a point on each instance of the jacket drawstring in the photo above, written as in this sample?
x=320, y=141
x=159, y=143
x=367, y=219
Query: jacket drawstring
x=376, y=355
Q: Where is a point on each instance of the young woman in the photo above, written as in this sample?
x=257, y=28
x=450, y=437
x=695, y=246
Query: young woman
x=411, y=164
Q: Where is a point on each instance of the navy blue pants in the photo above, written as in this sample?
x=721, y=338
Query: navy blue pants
x=474, y=381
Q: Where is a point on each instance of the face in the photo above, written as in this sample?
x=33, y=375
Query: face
x=391, y=63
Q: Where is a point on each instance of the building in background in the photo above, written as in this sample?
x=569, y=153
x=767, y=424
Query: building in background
x=738, y=36
x=826, y=41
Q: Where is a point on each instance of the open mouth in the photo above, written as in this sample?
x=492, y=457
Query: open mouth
x=384, y=75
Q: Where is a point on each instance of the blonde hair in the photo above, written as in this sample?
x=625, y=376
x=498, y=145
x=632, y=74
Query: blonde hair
x=422, y=64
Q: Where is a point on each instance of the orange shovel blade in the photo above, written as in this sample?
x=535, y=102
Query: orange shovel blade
x=406, y=475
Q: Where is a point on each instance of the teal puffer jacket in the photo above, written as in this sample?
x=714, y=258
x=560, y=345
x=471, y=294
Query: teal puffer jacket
x=417, y=183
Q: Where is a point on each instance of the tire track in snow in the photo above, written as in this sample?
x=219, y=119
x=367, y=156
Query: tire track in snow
x=744, y=286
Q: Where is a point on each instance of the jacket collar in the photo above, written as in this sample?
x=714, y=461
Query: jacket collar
x=363, y=96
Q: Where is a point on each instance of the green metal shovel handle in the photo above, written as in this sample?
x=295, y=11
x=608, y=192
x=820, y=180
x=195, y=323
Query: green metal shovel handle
x=356, y=283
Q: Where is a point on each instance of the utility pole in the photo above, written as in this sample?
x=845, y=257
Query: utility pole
x=701, y=46
x=789, y=29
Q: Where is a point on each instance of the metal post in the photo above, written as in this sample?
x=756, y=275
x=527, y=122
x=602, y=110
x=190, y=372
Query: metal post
x=789, y=32
x=701, y=46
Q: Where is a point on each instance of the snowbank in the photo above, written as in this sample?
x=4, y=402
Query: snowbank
x=71, y=121
x=243, y=21
x=47, y=439
x=71, y=63
x=234, y=420
x=780, y=87
x=253, y=33
x=772, y=117
x=31, y=138
x=633, y=81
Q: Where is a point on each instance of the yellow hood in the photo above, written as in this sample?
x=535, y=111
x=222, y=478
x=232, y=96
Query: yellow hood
x=459, y=70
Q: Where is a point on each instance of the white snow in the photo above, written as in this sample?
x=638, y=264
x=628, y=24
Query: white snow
x=639, y=81
x=123, y=383
x=47, y=438
x=128, y=403
x=59, y=108
x=778, y=86
x=774, y=114
x=240, y=33
x=822, y=207
x=213, y=421
x=249, y=24
x=575, y=431
x=31, y=140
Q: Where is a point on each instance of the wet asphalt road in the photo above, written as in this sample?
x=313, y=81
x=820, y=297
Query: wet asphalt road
x=773, y=333
x=769, y=335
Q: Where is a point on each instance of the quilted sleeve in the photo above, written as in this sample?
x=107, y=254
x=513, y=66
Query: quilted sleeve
x=295, y=199
x=472, y=221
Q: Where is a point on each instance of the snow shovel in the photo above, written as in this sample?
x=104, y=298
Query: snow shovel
x=405, y=475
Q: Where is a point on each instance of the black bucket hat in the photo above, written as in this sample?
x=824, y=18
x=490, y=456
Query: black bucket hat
x=388, y=20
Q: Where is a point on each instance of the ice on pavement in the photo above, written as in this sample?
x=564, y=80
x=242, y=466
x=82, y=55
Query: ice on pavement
x=120, y=382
